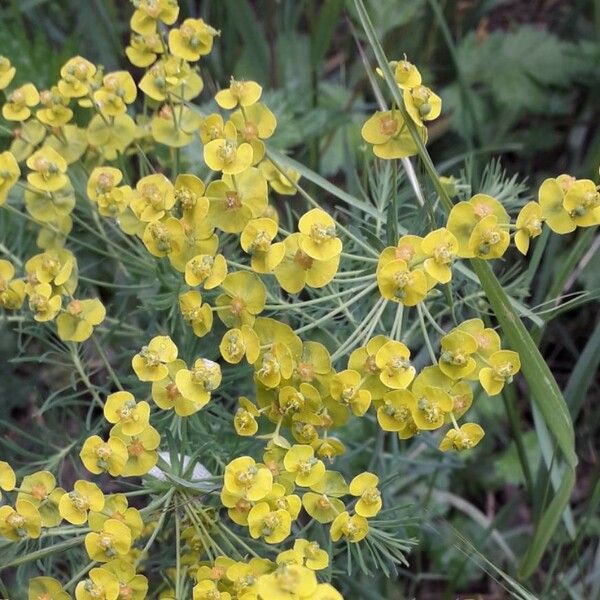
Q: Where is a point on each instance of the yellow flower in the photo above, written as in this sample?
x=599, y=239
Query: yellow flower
x=199, y=315
x=193, y=39
x=323, y=503
x=74, y=506
x=7, y=72
x=288, y=582
x=464, y=217
x=46, y=588
x=257, y=240
x=166, y=394
x=346, y=389
x=315, y=558
x=198, y=239
x=300, y=459
x=582, y=202
x=390, y=137
x=244, y=297
x=465, y=438
x=234, y=200
x=154, y=196
x=43, y=303
x=117, y=91
x=298, y=269
x=40, y=489
x=113, y=539
x=441, y=247
x=173, y=79
x=99, y=456
x=244, y=477
x=141, y=450
x=77, y=74
x=57, y=267
x=226, y=155
x=122, y=408
x=353, y=528
x=150, y=364
x=406, y=74
x=393, y=361
x=239, y=343
x=131, y=585
x=149, y=12
x=163, y=238
x=319, y=239
x=529, y=225
x=283, y=180
x=197, y=384
x=48, y=170
x=208, y=590
x=254, y=124
x=503, y=365
x=100, y=585
x=364, y=486
x=56, y=112
x=456, y=360
x=19, y=101
x=8, y=479
x=242, y=93
x=12, y=291
x=143, y=49
x=399, y=284
x=244, y=420
x=9, y=174
x=422, y=104
x=76, y=323
x=208, y=271
x=488, y=239
x=363, y=360
x=23, y=521
x=459, y=391
x=271, y=525
x=430, y=407
x=395, y=414
x=551, y=197
x=116, y=507
x=102, y=186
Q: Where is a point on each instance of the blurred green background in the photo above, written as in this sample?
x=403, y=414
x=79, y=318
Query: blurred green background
x=520, y=81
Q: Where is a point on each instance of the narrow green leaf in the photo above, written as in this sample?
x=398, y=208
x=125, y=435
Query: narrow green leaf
x=544, y=388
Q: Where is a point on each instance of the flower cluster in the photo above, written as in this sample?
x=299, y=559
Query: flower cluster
x=217, y=232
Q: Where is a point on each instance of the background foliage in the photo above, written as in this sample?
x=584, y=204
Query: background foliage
x=520, y=81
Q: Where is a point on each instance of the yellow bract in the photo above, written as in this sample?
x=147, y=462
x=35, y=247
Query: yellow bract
x=319, y=238
x=23, y=521
x=150, y=364
x=48, y=170
x=352, y=528
x=390, y=137
x=193, y=39
x=19, y=102
x=529, y=225
x=504, y=364
x=464, y=438
x=242, y=93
